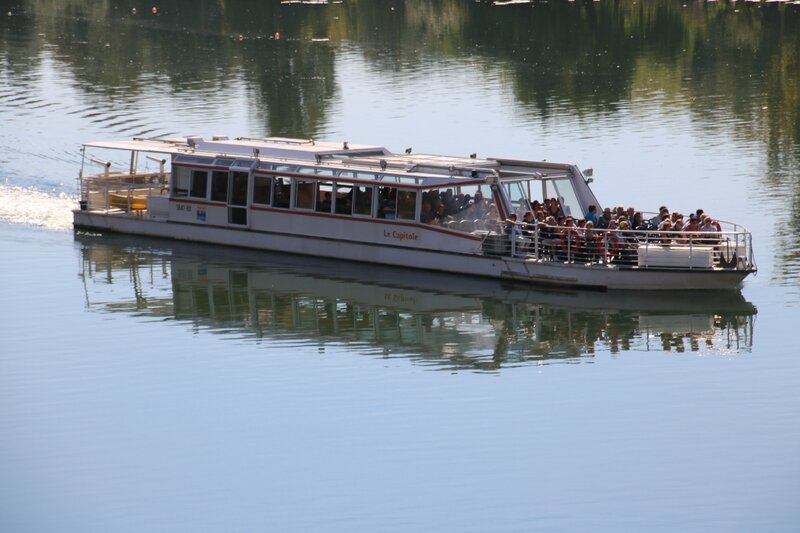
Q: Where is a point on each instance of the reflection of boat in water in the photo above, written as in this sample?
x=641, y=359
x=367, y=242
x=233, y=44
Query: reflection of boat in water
x=443, y=320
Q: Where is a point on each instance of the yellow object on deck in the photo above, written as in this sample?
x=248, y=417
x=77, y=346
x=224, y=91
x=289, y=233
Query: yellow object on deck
x=127, y=202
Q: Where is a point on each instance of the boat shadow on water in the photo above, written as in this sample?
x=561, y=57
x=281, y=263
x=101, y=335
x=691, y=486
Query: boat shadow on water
x=444, y=321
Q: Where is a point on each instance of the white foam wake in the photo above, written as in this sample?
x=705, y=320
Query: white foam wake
x=21, y=205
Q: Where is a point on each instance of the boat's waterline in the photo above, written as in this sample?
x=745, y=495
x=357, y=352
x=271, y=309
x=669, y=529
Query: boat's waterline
x=537, y=272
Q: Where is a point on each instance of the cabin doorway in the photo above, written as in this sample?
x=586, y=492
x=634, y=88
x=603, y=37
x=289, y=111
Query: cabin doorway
x=237, y=197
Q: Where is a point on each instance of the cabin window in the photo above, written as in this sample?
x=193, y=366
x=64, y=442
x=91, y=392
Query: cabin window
x=324, y=196
x=535, y=191
x=182, y=182
x=563, y=190
x=387, y=202
x=406, y=205
x=304, y=194
x=518, y=195
x=199, y=184
x=219, y=186
x=470, y=195
x=344, y=199
x=362, y=200
x=262, y=190
x=237, y=198
x=283, y=190
x=459, y=209
x=238, y=188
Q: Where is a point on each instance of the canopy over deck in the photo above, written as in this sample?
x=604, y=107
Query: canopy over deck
x=278, y=147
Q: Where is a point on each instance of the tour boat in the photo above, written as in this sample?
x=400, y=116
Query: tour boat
x=364, y=203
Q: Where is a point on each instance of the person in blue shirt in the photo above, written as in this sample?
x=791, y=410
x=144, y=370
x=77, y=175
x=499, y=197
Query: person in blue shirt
x=512, y=228
x=591, y=216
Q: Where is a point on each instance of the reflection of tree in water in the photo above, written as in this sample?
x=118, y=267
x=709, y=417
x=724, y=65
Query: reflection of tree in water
x=118, y=52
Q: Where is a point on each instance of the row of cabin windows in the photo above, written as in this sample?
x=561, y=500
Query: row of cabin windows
x=276, y=191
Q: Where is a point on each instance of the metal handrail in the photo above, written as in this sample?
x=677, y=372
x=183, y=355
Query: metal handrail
x=727, y=249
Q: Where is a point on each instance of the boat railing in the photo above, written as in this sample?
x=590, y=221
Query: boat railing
x=122, y=191
x=729, y=249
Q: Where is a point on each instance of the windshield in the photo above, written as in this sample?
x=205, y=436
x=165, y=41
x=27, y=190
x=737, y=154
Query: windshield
x=562, y=190
x=518, y=194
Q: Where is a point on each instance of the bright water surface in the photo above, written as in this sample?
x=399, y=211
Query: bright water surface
x=155, y=386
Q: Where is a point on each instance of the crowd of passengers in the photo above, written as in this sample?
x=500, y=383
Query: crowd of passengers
x=615, y=233
x=445, y=207
x=619, y=229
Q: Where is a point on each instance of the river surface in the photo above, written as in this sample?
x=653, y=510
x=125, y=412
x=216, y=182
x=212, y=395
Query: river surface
x=147, y=385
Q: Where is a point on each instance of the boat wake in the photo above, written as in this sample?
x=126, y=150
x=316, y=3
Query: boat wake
x=32, y=207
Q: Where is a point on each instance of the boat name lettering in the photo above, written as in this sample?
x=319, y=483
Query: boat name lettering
x=401, y=235
x=184, y=207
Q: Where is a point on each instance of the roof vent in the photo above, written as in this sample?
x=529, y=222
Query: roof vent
x=193, y=141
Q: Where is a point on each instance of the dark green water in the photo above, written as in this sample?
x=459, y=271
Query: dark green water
x=153, y=386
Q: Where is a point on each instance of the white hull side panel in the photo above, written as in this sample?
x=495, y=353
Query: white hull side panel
x=543, y=273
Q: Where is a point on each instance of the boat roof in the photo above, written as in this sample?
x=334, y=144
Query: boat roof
x=309, y=151
x=281, y=147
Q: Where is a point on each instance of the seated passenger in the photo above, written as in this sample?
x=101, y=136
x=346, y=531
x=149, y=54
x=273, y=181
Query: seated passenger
x=570, y=239
x=602, y=222
x=665, y=230
x=528, y=224
x=553, y=207
x=591, y=214
x=691, y=227
x=709, y=230
x=511, y=226
x=325, y=204
x=427, y=215
x=588, y=251
x=638, y=222
x=663, y=212
x=677, y=227
x=627, y=244
x=490, y=219
x=440, y=213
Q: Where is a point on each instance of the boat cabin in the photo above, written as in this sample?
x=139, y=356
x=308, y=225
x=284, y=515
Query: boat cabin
x=229, y=181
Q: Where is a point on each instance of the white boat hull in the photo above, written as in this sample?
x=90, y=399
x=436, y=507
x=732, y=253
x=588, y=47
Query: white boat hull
x=547, y=273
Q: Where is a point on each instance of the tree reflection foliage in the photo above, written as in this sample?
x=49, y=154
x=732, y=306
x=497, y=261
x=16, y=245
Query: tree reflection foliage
x=589, y=56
